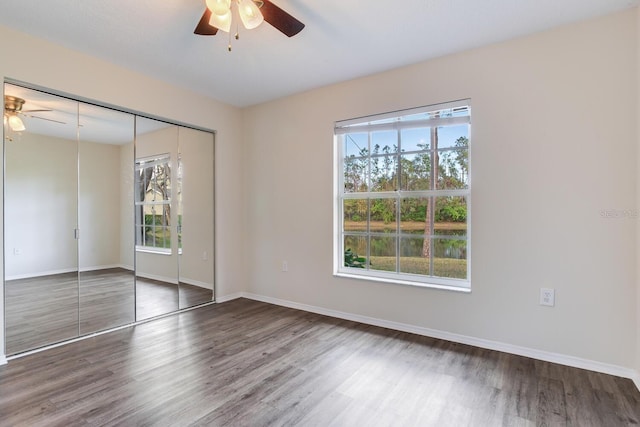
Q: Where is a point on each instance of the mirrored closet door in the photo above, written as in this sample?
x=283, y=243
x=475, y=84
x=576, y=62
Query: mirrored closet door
x=195, y=213
x=105, y=218
x=156, y=218
x=108, y=218
x=174, y=217
x=40, y=219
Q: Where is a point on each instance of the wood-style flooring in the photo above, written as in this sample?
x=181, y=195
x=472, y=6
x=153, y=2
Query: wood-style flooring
x=247, y=363
x=45, y=310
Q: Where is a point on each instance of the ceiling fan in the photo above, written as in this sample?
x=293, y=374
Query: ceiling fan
x=218, y=15
x=13, y=110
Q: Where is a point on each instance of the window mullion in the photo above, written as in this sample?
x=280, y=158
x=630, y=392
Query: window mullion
x=432, y=200
x=397, y=199
x=368, y=234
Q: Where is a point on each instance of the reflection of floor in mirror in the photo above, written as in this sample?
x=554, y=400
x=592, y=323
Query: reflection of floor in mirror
x=40, y=310
x=44, y=310
x=154, y=297
x=191, y=295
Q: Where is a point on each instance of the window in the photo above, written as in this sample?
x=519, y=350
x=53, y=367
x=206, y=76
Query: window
x=402, y=202
x=153, y=204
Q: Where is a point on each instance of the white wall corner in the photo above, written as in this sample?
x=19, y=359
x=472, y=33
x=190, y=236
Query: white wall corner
x=231, y=297
x=546, y=356
x=3, y=360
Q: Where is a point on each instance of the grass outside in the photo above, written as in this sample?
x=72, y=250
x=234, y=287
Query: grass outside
x=442, y=267
x=380, y=226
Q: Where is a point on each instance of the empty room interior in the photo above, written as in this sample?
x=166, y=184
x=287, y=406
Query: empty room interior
x=288, y=212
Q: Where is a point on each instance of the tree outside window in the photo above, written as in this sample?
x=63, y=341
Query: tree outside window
x=403, y=196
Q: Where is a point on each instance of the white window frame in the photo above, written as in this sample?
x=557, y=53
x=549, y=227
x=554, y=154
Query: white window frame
x=391, y=121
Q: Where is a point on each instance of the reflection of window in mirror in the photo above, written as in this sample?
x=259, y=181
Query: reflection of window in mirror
x=153, y=204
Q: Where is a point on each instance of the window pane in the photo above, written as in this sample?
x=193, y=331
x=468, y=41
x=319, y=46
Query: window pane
x=416, y=172
x=383, y=216
x=355, y=214
x=450, y=216
x=384, y=141
x=383, y=253
x=355, y=251
x=163, y=237
x=452, y=136
x=355, y=174
x=162, y=182
x=384, y=172
x=414, y=256
x=413, y=215
x=415, y=139
x=450, y=258
x=356, y=145
x=453, y=172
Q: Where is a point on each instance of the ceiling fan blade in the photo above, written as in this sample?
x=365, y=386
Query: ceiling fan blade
x=42, y=118
x=280, y=19
x=34, y=111
x=203, y=28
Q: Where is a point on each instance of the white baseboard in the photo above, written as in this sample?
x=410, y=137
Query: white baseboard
x=546, y=356
x=98, y=267
x=171, y=280
x=636, y=379
x=3, y=360
x=40, y=274
x=65, y=270
x=197, y=283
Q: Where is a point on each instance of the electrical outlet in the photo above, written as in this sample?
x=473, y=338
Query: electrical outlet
x=205, y=256
x=285, y=266
x=17, y=251
x=547, y=297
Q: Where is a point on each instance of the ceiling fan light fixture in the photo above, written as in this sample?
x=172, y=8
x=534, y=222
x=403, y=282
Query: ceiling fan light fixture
x=15, y=123
x=221, y=22
x=249, y=14
x=218, y=7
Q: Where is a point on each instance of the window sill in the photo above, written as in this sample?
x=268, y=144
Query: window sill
x=445, y=287
x=155, y=251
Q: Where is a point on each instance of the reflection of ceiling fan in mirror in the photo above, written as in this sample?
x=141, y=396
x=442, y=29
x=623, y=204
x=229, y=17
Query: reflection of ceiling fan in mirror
x=13, y=110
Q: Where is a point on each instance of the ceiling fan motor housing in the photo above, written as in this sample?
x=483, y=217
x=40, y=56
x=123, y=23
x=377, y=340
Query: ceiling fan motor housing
x=13, y=103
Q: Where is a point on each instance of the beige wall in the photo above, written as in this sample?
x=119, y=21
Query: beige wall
x=637, y=379
x=127, y=239
x=553, y=146
x=39, y=62
x=42, y=205
x=99, y=206
x=196, y=260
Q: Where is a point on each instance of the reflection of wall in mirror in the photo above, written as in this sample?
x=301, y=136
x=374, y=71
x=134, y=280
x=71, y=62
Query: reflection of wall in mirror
x=99, y=206
x=196, y=261
x=127, y=237
x=41, y=212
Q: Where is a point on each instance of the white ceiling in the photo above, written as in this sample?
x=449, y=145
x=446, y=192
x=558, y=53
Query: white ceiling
x=343, y=39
